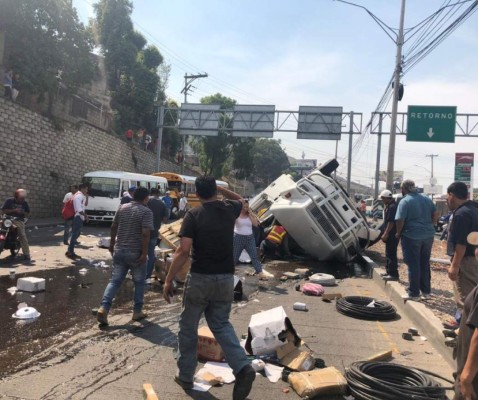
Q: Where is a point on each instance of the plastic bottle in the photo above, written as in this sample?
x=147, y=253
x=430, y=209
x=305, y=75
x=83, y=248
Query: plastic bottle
x=300, y=306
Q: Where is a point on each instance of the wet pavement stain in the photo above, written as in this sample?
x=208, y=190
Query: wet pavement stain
x=65, y=304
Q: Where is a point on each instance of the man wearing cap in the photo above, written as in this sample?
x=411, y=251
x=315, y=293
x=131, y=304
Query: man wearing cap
x=415, y=220
x=128, y=196
x=463, y=270
x=466, y=383
x=389, y=236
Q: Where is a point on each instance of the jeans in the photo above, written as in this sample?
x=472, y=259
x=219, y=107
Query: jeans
x=153, y=241
x=213, y=296
x=248, y=243
x=416, y=254
x=391, y=254
x=75, y=233
x=67, y=233
x=123, y=261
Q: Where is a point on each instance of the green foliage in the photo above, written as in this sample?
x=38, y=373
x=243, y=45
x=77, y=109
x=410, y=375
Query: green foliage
x=43, y=37
x=131, y=66
x=214, y=151
x=270, y=160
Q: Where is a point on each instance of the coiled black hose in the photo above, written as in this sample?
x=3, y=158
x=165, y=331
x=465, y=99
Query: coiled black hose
x=356, y=306
x=388, y=381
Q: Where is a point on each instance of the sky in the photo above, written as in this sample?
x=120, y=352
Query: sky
x=320, y=53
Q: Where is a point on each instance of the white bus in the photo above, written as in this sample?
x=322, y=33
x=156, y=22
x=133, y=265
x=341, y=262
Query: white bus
x=107, y=187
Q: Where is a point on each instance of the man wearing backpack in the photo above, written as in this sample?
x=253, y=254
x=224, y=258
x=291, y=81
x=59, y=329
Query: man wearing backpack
x=69, y=221
x=79, y=205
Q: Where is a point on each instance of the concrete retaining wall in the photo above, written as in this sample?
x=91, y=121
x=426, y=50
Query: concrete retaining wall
x=45, y=160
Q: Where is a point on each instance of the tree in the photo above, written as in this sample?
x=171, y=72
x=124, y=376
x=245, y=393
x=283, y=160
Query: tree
x=131, y=66
x=46, y=46
x=270, y=160
x=214, y=151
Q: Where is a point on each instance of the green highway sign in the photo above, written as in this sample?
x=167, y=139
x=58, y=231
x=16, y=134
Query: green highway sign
x=431, y=124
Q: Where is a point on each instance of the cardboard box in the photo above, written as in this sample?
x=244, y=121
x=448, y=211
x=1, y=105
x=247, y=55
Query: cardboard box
x=332, y=296
x=295, y=359
x=324, y=382
x=268, y=331
x=162, y=268
x=30, y=284
x=208, y=348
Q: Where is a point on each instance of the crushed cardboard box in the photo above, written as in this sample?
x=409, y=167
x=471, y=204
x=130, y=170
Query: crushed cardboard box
x=268, y=330
x=291, y=357
x=208, y=347
x=327, y=381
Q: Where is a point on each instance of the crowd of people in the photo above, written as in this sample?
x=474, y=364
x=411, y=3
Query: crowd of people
x=412, y=222
x=141, y=138
x=215, y=234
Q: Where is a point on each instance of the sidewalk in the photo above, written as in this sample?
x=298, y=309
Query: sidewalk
x=116, y=362
x=44, y=222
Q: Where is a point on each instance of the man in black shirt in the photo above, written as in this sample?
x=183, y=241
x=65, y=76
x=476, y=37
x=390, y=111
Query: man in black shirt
x=18, y=208
x=160, y=213
x=209, y=231
x=388, y=236
x=467, y=349
x=463, y=270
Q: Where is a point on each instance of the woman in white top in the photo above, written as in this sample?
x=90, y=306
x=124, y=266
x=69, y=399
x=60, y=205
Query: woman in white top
x=244, y=239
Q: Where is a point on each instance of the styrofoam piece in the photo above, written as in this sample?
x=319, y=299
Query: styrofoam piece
x=30, y=284
x=26, y=313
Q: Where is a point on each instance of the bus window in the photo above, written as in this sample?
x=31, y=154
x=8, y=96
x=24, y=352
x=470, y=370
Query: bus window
x=125, y=187
x=103, y=187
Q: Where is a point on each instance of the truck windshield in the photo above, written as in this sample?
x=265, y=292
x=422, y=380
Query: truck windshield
x=103, y=187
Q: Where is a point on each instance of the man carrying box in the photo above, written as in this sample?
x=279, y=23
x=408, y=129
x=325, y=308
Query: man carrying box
x=209, y=289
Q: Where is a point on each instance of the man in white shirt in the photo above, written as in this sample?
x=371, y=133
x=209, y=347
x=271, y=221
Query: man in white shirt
x=68, y=222
x=183, y=205
x=79, y=204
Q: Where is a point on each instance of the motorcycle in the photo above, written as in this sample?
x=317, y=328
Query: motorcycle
x=9, y=236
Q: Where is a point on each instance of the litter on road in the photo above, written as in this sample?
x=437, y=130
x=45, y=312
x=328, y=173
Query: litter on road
x=25, y=312
x=31, y=284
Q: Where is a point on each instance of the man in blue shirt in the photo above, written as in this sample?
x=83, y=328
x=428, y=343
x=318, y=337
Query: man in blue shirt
x=168, y=202
x=415, y=220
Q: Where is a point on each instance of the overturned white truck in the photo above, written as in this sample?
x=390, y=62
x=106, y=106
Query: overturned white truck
x=318, y=214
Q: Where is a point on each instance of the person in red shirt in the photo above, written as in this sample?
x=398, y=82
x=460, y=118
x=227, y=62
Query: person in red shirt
x=129, y=135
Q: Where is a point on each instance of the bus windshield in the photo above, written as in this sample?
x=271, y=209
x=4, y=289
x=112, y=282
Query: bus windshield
x=103, y=187
x=175, y=185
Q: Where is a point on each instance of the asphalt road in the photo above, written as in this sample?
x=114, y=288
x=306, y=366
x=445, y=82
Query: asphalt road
x=68, y=357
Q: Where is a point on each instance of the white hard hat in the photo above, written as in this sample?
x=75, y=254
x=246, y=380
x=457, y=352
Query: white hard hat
x=387, y=194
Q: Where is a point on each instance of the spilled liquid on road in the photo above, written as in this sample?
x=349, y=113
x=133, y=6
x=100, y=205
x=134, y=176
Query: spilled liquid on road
x=65, y=308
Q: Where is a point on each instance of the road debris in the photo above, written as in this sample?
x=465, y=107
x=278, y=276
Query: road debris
x=31, y=284
x=313, y=289
x=25, y=312
x=323, y=279
x=327, y=381
x=300, y=306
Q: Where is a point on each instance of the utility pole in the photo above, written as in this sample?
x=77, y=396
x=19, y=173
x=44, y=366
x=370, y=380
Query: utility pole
x=432, y=156
x=188, y=80
x=160, y=137
x=349, y=165
x=396, y=87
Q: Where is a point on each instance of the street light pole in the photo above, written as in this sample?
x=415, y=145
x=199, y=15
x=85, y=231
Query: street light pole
x=396, y=87
x=188, y=80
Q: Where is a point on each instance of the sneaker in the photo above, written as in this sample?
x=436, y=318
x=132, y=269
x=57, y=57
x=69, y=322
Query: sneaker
x=139, y=315
x=382, y=274
x=408, y=297
x=102, y=316
x=451, y=324
x=451, y=342
x=449, y=333
x=243, y=385
x=73, y=256
x=390, y=278
x=184, y=384
x=148, y=281
x=65, y=242
x=426, y=296
x=264, y=275
x=26, y=257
